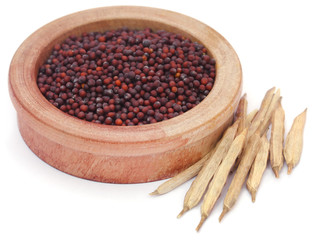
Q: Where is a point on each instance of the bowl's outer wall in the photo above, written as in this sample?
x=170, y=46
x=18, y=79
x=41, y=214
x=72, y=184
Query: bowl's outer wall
x=115, y=169
x=122, y=154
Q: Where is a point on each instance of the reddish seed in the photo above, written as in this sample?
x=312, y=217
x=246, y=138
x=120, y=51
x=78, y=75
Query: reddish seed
x=136, y=110
x=111, y=114
x=118, y=122
x=172, y=83
x=157, y=105
x=202, y=88
x=159, y=117
x=204, y=81
x=89, y=116
x=63, y=108
x=170, y=110
x=108, y=121
x=101, y=39
x=152, y=99
x=209, y=86
x=82, y=93
x=140, y=115
x=130, y=115
x=165, y=49
x=135, y=121
x=84, y=108
x=81, y=115
x=163, y=109
x=118, y=83
x=99, y=89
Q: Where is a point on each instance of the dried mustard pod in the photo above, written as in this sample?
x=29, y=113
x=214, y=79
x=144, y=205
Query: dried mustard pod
x=241, y=113
x=220, y=177
x=258, y=168
x=294, y=141
x=267, y=118
x=277, y=140
x=250, y=117
x=256, y=122
x=243, y=169
x=183, y=176
x=200, y=183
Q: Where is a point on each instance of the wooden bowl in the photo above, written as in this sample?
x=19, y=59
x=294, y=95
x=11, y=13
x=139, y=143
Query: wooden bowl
x=121, y=154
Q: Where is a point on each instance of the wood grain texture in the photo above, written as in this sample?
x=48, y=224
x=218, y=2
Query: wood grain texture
x=113, y=153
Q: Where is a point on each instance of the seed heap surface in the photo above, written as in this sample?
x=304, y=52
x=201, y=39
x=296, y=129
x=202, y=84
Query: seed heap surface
x=127, y=77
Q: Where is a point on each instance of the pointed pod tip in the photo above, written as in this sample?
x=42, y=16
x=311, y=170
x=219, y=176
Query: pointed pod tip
x=253, y=197
x=304, y=112
x=290, y=169
x=272, y=89
x=276, y=172
x=224, y=211
x=252, y=192
x=154, y=193
x=185, y=209
x=200, y=223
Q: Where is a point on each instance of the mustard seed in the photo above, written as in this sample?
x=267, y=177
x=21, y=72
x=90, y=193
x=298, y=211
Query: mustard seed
x=126, y=77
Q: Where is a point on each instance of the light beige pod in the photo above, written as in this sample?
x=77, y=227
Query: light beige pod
x=294, y=141
x=243, y=169
x=277, y=139
x=113, y=153
x=220, y=177
x=258, y=168
x=200, y=183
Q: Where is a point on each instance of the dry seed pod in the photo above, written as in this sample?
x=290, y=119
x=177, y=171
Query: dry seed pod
x=241, y=113
x=258, y=168
x=200, y=183
x=250, y=117
x=183, y=176
x=261, y=113
x=267, y=118
x=248, y=120
x=277, y=139
x=220, y=177
x=247, y=159
x=294, y=141
x=259, y=117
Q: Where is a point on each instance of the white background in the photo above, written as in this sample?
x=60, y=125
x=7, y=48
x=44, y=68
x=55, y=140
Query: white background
x=275, y=44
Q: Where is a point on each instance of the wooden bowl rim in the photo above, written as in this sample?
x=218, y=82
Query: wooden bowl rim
x=26, y=95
